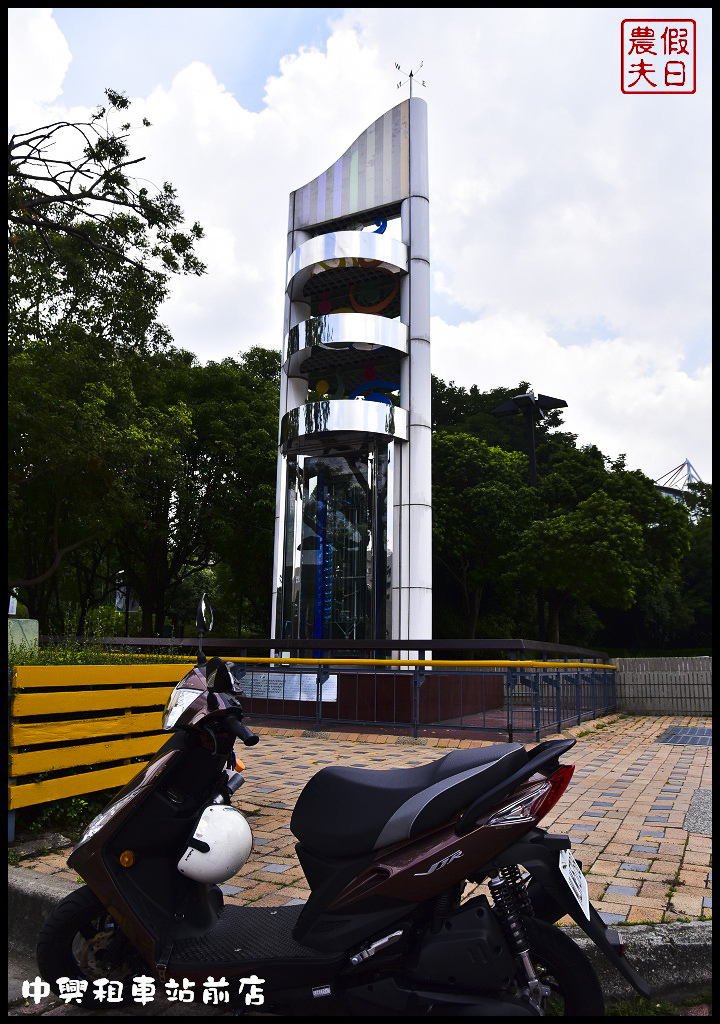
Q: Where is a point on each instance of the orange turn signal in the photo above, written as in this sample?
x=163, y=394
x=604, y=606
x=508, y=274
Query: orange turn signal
x=127, y=858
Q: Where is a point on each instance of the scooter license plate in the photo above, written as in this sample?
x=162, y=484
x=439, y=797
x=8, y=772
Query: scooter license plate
x=572, y=873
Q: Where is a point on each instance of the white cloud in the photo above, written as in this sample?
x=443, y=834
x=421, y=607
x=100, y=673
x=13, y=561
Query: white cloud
x=38, y=57
x=557, y=204
x=234, y=171
x=624, y=394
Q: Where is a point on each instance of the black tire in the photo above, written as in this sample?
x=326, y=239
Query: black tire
x=563, y=966
x=80, y=940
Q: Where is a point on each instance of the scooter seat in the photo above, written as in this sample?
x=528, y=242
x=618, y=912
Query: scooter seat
x=344, y=812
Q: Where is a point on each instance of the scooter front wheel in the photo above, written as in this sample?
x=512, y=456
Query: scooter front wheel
x=81, y=944
x=562, y=967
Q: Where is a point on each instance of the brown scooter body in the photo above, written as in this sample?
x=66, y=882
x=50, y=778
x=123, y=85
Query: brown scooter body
x=423, y=868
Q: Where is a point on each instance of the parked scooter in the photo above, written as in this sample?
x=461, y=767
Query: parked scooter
x=387, y=856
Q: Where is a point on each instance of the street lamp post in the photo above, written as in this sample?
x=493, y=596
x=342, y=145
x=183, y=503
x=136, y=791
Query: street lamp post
x=533, y=408
x=124, y=582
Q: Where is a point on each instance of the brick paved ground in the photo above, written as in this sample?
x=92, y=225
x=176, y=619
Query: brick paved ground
x=625, y=811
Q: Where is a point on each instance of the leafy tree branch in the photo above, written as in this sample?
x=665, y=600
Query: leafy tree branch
x=55, y=190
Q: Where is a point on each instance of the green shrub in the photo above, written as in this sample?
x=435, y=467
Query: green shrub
x=75, y=652
x=70, y=816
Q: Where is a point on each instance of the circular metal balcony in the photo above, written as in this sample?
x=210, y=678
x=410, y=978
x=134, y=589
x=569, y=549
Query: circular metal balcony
x=317, y=426
x=343, y=336
x=368, y=254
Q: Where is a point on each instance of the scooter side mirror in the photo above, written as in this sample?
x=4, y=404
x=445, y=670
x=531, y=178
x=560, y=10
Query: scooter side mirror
x=204, y=615
x=204, y=620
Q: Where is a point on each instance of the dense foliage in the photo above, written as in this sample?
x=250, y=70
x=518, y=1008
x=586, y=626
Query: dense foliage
x=181, y=498
x=130, y=460
x=158, y=467
x=607, y=558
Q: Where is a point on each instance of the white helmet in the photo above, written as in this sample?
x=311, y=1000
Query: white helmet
x=220, y=845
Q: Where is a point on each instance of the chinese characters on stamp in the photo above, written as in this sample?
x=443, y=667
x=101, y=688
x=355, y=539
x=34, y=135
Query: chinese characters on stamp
x=658, y=55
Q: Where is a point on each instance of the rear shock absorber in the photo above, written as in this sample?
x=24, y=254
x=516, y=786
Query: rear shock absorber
x=515, y=885
x=511, y=902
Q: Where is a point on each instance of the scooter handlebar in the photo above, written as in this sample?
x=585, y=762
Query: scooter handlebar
x=241, y=731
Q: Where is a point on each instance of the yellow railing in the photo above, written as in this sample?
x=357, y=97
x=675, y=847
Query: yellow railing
x=279, y=660
x=91, y=727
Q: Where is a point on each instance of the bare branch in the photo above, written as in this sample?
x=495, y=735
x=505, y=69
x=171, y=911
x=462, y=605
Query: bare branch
x=59, y=555
x=37, y=580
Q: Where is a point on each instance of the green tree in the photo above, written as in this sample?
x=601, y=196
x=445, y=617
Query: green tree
x=181, y=604
x=69, y=180
x=210, y=496
x=697, y=577
x=76, y=437
x=481, y=504
x=90, y=255
x=674, y=602
x=457, y=410
x=661, y=613
x=161, y=538
x=89, y=580
x=242, y=416
x=567, y=474
x=644, y=590
x=595, y=552
x=698, y=499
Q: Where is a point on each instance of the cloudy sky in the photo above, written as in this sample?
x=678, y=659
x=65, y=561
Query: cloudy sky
x=570, y=223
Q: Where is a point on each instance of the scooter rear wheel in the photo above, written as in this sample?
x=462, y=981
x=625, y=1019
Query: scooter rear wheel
x=564, y=968
x=80, y=941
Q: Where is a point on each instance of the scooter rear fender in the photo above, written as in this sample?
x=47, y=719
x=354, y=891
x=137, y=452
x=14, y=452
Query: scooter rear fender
x=542, y=862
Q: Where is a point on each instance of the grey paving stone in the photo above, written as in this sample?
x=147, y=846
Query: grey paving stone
x=699, y=816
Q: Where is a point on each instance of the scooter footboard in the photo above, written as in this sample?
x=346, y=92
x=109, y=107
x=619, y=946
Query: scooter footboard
x=544, y=865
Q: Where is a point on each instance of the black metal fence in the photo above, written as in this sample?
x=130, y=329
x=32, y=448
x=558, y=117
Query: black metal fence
x=545, y=700
x=432, y=696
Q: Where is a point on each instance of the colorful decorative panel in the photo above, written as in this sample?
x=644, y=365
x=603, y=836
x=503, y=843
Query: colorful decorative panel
x=374, y=172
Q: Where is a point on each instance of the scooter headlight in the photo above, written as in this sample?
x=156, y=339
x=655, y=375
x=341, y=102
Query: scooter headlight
x=104, y=816
x=180, y=699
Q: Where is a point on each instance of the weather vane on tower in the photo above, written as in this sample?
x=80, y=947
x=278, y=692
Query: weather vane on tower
x=409, y=76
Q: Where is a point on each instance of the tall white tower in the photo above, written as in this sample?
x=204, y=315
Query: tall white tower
x=353, y=530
